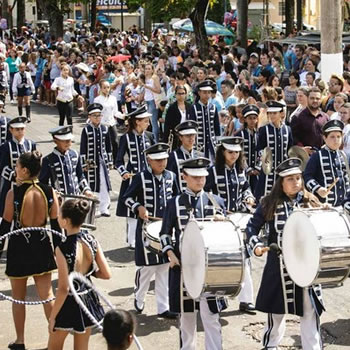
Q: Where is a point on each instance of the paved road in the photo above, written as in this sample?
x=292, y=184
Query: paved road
x=239, y=331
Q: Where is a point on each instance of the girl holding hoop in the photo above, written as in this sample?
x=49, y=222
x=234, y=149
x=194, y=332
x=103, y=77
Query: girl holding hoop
x=29, y=254
x=82, y=253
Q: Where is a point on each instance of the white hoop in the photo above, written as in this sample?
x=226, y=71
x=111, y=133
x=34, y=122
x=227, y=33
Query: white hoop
x=78, y=276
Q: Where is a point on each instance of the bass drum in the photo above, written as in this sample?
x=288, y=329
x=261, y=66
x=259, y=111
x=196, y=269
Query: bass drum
x=241, y=220
x=212, y=258
x=316, y=247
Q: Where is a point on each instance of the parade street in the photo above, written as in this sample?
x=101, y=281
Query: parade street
x=240, y=331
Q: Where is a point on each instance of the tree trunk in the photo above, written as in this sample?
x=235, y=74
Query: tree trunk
x=299, y=15
x=147, y=21
x=197, y=17
x=21, y=13
x=54, y=15
x=242, y=22
x=289, y=16
x=331, y=38
x=39, y=11
x=93, y=14
x=5, y=12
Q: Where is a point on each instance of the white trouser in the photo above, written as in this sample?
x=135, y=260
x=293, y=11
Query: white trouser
x=143, y=278
x=246, y=293
x=211, y=324
x=131, y=227
x=309, y=327
x=103, y=195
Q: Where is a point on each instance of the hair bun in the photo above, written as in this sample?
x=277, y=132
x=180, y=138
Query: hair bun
x=37, y=155
x=83, y=205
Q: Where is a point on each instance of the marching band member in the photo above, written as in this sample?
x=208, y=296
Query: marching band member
x=250, y=137
x=206, y=115
x=96, y=156
x=147, y=196
x=278, y=137
x=192, y=202
x=5, y=134
x=62, y=167
x=278, y=295
x=10, y=152
x=80, y=252
x=133, y=143
x=29, y=254
x=325, y=174
x=187, y=132
x=227, y=179
x=23, y=87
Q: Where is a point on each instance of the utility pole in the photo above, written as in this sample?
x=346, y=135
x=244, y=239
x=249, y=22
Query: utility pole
x=331, y=38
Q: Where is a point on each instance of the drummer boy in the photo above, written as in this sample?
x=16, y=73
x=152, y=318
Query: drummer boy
x=199, y=204
x=62, y=167
x=325, y=174
x=147, y=197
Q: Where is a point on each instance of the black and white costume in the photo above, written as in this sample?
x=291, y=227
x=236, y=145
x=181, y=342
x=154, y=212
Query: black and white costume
x=10, y=151
x=278, y=294
x=208, y=124
x=96, y=158
x=64, y=171
x=133, y=145
x=23, y=84
x=175, y=218
x=152, y=192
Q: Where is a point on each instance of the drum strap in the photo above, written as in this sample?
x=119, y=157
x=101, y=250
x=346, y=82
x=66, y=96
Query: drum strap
x=187, y=204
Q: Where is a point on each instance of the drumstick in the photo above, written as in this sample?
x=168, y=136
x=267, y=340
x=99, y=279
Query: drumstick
x=154, y=218
x=332, y=185
x=272, y=247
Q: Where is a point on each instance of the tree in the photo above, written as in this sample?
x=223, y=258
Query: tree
x=242, y=21
x=93, y=14
x=289, y=8
x=197, y=17
x=21, y=13
x=217, y=11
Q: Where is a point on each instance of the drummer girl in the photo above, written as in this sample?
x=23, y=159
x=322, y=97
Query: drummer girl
x=29, y=204
x=82, y=253
x=133, y=143
x=278, y=295
x=227, y=179
x=325, y=174
x=278, y=137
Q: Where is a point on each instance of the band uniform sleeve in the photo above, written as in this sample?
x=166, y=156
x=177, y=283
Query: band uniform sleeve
x=133, y=197
x=83, y=148
x=119, y=161
x=82, y=182
x=108, y=146
x=253, y=228
x=168, y=226
x=313, y=168
x=44, y=175
x=216, y=123
x=6, y=171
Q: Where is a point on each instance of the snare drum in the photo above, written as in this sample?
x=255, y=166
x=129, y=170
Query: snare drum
x=316, y=247
x=151, y=233
x=89, y=222
x=212, y=258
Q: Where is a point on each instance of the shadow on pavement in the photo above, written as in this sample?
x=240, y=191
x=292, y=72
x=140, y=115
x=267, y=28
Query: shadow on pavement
x=120, y=255
x=152, y=324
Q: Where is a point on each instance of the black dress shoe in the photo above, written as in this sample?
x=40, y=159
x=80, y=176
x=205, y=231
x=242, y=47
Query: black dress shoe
x=137, y=308
x=168, y=314
x=249, y=308
x=14, y=346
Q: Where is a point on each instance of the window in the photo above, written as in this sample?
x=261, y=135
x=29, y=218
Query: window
x=281, y=8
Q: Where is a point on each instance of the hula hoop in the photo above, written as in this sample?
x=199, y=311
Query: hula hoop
x=78, y=276
x=24, y=230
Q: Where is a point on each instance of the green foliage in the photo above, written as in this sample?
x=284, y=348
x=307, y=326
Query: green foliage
x=217, y=10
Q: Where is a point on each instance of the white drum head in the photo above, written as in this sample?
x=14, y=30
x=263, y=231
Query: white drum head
x=301, y=252
x=193, y=259
x=153, y=229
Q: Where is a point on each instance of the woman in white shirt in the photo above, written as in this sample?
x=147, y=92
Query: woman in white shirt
x=64, y=84
x=109, y=113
